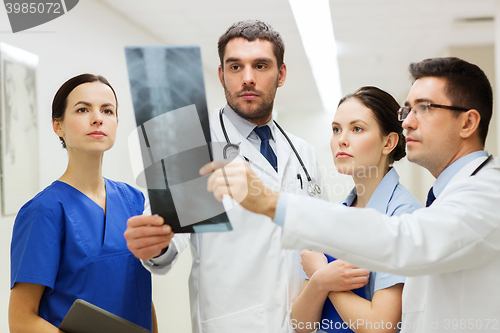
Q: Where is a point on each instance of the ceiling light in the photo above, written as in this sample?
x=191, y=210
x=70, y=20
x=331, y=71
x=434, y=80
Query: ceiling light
x=314, y=22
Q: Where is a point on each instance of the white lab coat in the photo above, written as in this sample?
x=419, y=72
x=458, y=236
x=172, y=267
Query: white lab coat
x=450, y=250
x=242, y=280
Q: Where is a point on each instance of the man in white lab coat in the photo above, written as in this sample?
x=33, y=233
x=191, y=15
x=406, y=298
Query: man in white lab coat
x=242, y=280
x=450, y=250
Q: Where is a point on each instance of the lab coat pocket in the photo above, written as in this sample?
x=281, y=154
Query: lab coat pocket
x=294, y=181
x=413, y=302
x=246, y=321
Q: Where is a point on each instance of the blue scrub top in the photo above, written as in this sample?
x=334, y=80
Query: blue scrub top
x=63, y=240
x=389, y=198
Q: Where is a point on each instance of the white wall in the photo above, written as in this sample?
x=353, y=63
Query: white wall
x=90, y=38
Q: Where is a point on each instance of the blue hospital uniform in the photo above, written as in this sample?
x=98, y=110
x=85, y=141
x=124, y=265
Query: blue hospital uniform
x=63, y=240
x=389, y=198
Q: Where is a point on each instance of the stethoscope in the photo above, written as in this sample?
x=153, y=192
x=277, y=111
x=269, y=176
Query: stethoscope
x=232, y=150
x=482, y=165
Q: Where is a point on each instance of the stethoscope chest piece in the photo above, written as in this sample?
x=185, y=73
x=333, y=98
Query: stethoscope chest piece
x=313, y=189
x=230, y=151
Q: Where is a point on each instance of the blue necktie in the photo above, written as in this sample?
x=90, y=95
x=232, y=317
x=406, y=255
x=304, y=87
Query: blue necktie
x=430, y=197
x=264, y=133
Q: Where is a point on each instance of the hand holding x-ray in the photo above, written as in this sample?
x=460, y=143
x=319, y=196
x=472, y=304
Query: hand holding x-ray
x=237, y=180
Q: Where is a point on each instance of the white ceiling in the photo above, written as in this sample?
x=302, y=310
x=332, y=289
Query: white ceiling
x=377, y=39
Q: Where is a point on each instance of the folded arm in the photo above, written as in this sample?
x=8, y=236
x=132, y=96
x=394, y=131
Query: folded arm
x=324, y=278
x=381, y=314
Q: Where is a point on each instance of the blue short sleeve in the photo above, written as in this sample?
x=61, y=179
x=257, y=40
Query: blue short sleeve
x=379, y=280
x=36, y=245
x=386, y=280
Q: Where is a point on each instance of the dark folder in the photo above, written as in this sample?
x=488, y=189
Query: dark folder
x=84, y=317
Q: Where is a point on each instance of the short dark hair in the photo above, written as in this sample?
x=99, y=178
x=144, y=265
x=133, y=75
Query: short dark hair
x=385, y=109
x=467, y=86
x=60, y=101
x=252, y=30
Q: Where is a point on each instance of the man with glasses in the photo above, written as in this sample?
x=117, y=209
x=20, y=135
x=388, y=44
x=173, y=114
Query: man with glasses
x=451, y=249
x=421, y=109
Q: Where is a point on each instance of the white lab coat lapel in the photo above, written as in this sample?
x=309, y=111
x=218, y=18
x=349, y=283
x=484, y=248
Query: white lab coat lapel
x=465, y=172
x=257, y=161
x=283, y=151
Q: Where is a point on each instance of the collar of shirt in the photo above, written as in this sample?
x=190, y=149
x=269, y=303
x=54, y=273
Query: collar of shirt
x=383, y=193
x=444, y=178
x=244, y=126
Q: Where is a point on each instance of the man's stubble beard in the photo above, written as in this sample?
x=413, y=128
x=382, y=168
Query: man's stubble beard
x=263, y=112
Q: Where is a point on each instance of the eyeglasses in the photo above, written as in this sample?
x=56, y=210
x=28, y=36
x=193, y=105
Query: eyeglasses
x=421, y=109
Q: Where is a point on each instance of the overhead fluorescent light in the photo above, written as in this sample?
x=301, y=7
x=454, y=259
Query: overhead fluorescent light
x=314, y=22
x=478, y=19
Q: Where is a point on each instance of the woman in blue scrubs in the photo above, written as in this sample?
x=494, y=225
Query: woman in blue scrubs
x=67, y=241
x=338, y=297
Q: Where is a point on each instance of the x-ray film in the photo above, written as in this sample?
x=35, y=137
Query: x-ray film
x=168, y=94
